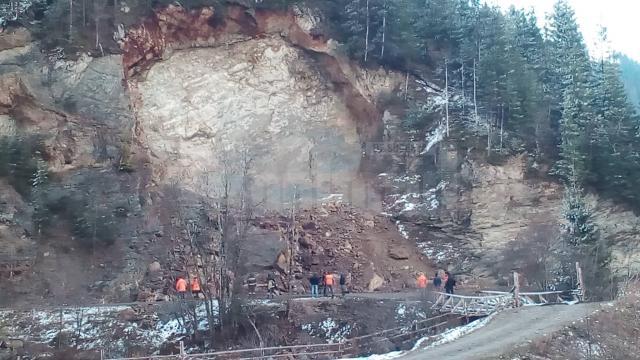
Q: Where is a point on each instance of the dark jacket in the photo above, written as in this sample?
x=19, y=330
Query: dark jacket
x=343, y=279
x=314, y=280
x=437, y=281
x=451, y=283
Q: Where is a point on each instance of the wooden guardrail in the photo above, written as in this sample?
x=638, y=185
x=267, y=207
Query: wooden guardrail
x=352, y=346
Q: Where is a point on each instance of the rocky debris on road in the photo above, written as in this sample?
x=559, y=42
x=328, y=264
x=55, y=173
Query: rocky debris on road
x=338, y=238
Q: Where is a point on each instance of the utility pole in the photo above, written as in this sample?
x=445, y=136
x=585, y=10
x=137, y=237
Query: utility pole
x=384, y=27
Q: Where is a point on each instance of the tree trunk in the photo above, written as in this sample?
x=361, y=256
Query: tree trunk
x=384, y=27
x=489, y=137
x=70, y=20
x=501, y=125
x=366, y=37
x=406, y=87
x=446, y=93
x=462, y=87
x=475, y=91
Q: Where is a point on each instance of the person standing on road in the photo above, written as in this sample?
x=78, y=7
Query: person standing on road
x=437, y=282
x=421, y=283
x=181, y=287
x=251, y=284
x=271, y=285
x=195, y=287
x=328, y=284
x=343, y=285
x=314, y=281
x=450, y=283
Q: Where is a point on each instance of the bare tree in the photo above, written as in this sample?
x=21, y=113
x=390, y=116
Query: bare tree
x=70, y=20
x=366, y=36
x=475, y=91
x=446, y=92
x=384, y=27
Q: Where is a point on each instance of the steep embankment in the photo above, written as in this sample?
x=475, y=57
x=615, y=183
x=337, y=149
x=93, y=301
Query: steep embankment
x=195, y=87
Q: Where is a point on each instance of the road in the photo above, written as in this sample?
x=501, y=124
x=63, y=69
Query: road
x=505, y=331
x=405, y=295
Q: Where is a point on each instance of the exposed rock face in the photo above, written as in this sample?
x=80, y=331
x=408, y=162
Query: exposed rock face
x=173, y=28
x=263, y=95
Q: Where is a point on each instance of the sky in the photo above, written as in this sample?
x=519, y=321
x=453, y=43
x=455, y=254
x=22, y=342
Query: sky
x=620, y=17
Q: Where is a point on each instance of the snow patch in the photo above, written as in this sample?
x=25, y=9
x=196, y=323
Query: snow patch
x=333, y=198
x=387, y=356
x=434, y=137
x=427, y=201
x=329, y=330
x=402, y=229
x=455, y=333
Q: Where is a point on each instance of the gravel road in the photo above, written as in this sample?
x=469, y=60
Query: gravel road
x=507, y=330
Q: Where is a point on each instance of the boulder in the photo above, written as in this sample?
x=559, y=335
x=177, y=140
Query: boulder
x=398, y=253
x=375, y=283
x=154, y=267
x=310, y=225
x=282, y=261
x=370, y=224
x=128, y=315
x=306, y=242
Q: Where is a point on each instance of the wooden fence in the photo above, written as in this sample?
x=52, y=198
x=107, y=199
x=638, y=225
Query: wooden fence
x=352, y=346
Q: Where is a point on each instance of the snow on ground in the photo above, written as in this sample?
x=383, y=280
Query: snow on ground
x=329, y=330
x=426, y=201
x=332, y=198
x=445, y=337
x=434, y=137
x=388, y=356
x=453, y=334
x=402, y=230
x=104, y=327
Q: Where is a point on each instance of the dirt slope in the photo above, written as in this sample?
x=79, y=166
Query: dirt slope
x=506, y=331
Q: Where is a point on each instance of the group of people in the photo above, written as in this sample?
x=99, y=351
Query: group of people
x=252, y=284
x=193, y=286
x=447, y=280
x=327, y=281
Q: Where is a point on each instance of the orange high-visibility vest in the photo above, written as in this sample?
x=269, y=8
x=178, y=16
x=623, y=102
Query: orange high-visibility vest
x=195, y=285
x=181, y=285
x=328, y=279
x=422, y=281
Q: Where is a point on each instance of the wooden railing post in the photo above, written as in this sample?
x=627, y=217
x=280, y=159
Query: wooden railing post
x=182, y=353
x=581, y=287
x=516, y=289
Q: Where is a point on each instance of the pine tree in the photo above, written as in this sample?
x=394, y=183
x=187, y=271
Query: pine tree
x=578, y=227
x=617, y=146
x=575, y=134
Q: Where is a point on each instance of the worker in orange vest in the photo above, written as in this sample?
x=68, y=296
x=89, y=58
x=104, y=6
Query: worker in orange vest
x=421, y=281
x=181, y=286
x=328, y=283
x=195, y=288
